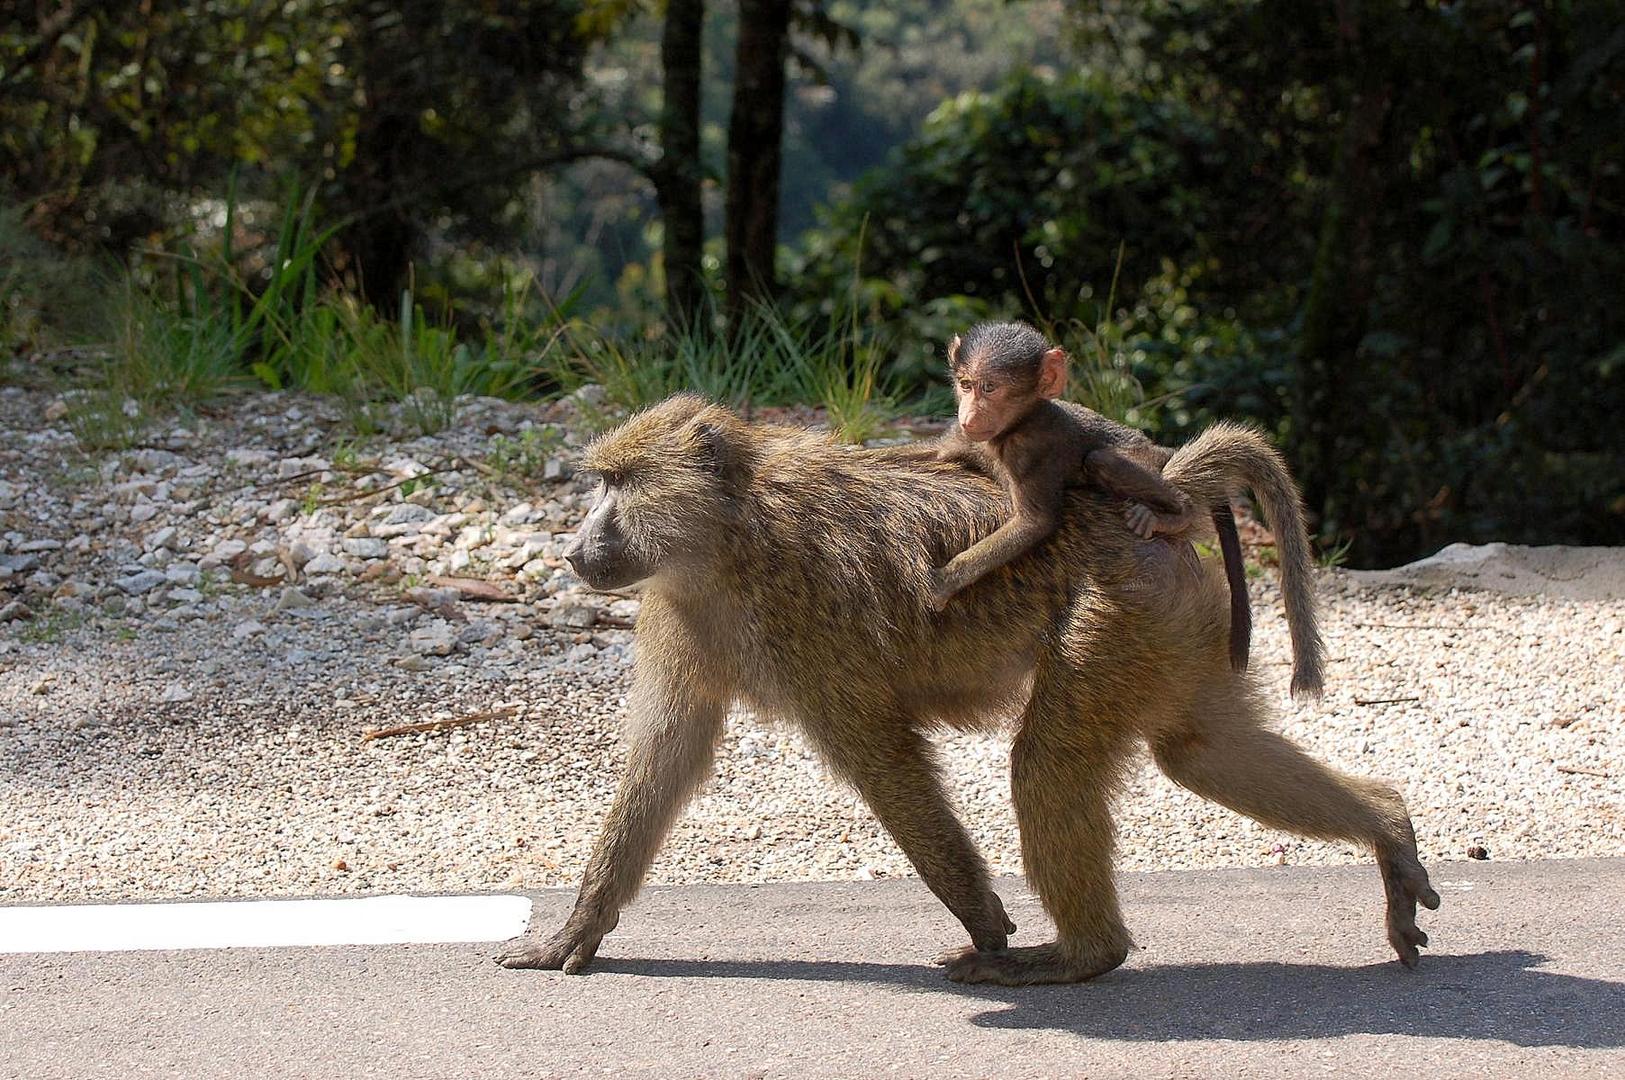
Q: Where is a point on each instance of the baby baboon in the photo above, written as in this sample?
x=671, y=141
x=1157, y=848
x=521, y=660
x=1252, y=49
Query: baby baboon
x=789, y=573
x=1008, y=380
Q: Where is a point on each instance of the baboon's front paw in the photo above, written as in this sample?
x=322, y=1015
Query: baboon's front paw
x=1406, y=884
x=570, y=950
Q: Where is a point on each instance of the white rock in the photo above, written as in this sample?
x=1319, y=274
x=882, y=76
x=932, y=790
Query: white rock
x=325, y=564
x=517, y=515
x=182, y=573
x=402, y=513
x=281, y=511
x=224, y=552
x=245, y=457
x=575, y=616
x=366, y=549
x=247, y=628
x=292, y=598
x=176, y=692
x=143, y=582
x=434, y=639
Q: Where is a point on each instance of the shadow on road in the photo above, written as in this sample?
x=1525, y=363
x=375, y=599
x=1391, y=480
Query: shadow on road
x=1492, y=995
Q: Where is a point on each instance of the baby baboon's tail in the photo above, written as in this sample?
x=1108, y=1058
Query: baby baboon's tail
x=1216, y=465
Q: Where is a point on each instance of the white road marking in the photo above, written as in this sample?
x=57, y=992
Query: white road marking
x=233, y=924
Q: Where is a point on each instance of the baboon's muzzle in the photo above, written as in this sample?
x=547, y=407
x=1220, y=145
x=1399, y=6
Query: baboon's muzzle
x=598, y=553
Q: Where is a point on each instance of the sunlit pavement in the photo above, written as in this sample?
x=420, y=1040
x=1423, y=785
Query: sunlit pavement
x=1280, y=972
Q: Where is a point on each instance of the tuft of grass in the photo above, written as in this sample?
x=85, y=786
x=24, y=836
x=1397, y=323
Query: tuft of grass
x=524, y=457
x=1331, y=558
x=767, y=359
x=314, y=494
x=51, y=628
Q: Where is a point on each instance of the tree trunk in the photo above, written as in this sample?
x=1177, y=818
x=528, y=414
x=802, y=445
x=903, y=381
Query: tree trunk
x=1331, y=431
x=378, y=244
x=754, y=135
x=677, y=178
x=379, y=241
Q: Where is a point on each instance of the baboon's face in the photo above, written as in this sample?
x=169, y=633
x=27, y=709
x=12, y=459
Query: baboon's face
x=660, y=498
x=600, y=554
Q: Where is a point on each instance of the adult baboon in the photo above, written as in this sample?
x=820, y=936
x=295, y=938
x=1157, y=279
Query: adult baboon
x=792, y=574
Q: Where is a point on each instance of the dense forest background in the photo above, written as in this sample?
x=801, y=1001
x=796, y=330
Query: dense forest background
x=1391, y=233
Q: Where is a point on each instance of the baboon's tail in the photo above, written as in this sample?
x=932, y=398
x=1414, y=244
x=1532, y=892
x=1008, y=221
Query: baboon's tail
x=1216, y=465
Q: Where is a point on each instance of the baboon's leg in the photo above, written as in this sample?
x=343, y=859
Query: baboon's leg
x=1224, y=755
x=1065, y=768
x=673, y=741
x=896, y=772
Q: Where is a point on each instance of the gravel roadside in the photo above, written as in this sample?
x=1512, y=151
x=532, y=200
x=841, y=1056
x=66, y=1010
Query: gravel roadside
x=196, y=635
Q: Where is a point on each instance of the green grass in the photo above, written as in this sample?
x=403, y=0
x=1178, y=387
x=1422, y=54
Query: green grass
x=186, y=326
x=51, y=628
x=767, y=360
x=523, y=457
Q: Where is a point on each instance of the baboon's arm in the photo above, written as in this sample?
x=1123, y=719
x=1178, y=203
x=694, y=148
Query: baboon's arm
x=674, y=734
x=1037, y=500
x=894, y=769
x=1122, y=476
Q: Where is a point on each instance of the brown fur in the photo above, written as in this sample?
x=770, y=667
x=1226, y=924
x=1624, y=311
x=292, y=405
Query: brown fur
x=791, y=574
x=1006, y=379
x=1213, y=467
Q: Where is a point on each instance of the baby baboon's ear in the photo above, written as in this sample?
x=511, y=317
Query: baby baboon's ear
x=953, y=351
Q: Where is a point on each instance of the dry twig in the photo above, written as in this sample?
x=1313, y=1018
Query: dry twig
x=1577, y=770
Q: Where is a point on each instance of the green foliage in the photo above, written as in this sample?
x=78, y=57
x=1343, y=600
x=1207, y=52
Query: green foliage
x=1396, y=249
x=1393, y=235
x=1018, y=200
x=524, y=457
x=769, y=359
x=47, y=299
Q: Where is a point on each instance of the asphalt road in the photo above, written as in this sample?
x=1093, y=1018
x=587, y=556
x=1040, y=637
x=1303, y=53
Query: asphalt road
x=1279, y=972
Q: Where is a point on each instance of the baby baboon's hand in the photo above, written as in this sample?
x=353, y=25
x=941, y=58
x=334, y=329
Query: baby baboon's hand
x=942, y=591
x=1141, y=518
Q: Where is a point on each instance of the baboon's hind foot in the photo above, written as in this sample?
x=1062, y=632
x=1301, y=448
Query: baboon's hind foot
x=1405, y=882
x=1030, y=965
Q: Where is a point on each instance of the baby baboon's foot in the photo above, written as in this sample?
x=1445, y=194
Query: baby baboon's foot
x=1406, y=884
x=1031, y=965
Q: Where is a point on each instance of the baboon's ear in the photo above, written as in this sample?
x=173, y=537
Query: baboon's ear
x=953, y=351
x=710, y=442
x=1052, y=372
